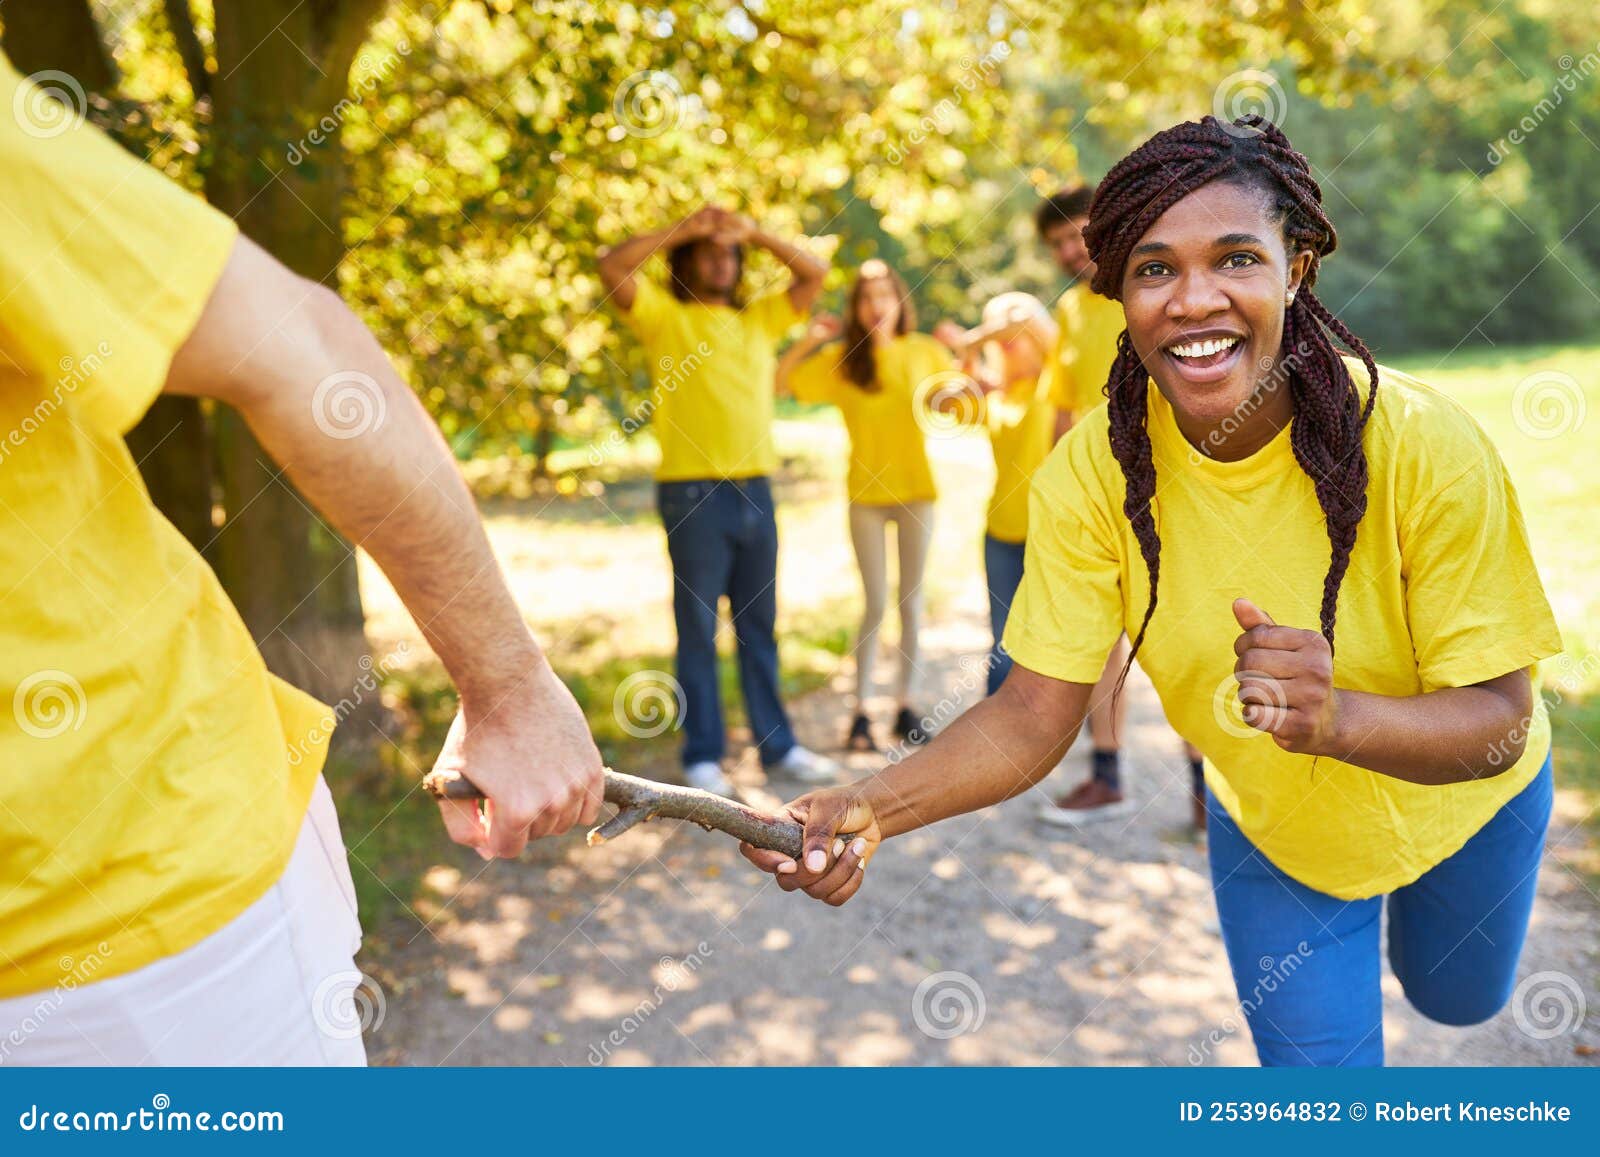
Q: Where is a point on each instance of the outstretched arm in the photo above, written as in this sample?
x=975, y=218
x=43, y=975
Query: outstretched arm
x=823, y=329
x=281, y=350
x=1001, y=747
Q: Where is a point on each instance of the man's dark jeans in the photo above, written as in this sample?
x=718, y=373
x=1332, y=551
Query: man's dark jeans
x=722, y=537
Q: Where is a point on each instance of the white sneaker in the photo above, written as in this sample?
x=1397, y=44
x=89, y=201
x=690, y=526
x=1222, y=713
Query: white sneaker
x=806, y=765
x=707, y=776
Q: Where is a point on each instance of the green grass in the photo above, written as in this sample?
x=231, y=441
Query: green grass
x=1558, y=481
x=392, y=827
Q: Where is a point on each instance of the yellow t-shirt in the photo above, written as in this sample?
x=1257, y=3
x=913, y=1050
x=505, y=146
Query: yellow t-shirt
x=888, y=448
x=1441, y=592
x=1087, y=328
x=153, y=775
x=712, y=367
x=1022, y=425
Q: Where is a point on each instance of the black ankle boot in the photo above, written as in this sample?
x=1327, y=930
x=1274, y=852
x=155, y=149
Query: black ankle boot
x=860, y=737
x=908, y=727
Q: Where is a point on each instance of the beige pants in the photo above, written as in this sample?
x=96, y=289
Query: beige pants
x=276, y=986
x=869, y=533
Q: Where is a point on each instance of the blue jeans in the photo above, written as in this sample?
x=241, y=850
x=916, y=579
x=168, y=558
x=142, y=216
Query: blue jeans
x=1454, y=937
x=1002, y=570
x=722, y=537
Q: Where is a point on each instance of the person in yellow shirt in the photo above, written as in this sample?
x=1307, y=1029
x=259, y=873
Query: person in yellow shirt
x=713, y=358
x=172, y=881
x=1087, y=328
x=1325, y=571
x=882, y=376
x=1004, y=357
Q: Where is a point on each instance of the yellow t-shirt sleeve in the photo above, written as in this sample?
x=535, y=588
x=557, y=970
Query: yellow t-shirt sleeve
x=1067, y=613
x=816, y=379
x=1476, y=606
x=774, y=314
x=106, y=263
x=652, y=306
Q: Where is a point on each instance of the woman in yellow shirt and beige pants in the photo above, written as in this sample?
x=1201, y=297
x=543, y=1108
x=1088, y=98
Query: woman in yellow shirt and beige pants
x=1324, y=570
x=882, y=376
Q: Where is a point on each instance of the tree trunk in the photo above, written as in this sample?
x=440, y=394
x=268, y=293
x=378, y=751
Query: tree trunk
x=282, y=67
x=59, y=35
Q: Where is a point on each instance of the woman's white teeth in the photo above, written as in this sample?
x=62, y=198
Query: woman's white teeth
x=1203, y=349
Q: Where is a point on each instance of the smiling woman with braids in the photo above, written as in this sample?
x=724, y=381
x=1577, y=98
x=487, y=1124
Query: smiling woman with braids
x=1325, y=572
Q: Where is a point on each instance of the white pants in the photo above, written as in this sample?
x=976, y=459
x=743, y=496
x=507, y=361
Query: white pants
x=276, y=986
x=869, y=532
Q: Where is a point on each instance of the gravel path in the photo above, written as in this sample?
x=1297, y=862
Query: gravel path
x=985, y=940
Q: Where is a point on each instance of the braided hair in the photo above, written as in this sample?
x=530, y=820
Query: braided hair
x=1329, y=416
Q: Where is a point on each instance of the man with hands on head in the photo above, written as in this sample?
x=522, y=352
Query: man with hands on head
x=713, y=364
x=170, y=864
